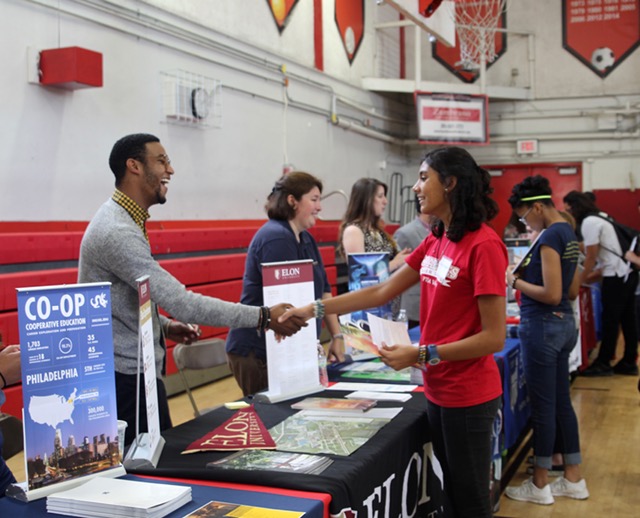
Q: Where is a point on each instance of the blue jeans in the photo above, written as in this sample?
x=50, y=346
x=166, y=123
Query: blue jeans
x=462, y=444
x=546, y=341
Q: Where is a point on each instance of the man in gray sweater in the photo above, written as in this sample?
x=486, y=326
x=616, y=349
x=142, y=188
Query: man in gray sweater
x=115, y=249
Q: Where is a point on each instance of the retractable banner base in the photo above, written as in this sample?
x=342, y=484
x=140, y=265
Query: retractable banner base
x=271, y=397
x=142, y=454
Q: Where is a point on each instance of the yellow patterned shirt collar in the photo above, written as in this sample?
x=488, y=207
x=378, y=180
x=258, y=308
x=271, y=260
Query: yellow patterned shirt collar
x=137, y=213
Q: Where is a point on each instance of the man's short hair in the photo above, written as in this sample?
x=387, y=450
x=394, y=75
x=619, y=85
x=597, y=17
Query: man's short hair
x=130, y=146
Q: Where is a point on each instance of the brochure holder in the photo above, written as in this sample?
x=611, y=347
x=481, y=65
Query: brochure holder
x=147, y=447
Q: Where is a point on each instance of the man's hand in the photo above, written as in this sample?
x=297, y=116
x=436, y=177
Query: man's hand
x=288, y=327
x=10, y=364
x=183, y=333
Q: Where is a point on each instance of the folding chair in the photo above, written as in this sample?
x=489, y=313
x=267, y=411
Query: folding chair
x=200, y=355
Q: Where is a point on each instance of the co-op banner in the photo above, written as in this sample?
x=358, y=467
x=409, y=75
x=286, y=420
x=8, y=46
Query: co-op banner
x=68, y=385
x=601, y=33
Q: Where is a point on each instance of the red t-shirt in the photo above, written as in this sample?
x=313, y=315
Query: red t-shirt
x=449, y=312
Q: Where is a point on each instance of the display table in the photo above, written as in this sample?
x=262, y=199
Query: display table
x=516, y=409
x=391, y=475
x=314, y=505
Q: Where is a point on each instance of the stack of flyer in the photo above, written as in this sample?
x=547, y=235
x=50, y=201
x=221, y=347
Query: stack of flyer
x=274, y=461
x=114, y=497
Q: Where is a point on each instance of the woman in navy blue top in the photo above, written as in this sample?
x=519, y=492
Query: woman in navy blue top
x=548, y=281
x=292, y=206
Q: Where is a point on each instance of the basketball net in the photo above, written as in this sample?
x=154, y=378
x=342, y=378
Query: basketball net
x=476, y=24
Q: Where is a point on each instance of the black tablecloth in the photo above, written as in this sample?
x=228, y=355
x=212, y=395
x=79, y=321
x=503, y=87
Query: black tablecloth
x=392, y=470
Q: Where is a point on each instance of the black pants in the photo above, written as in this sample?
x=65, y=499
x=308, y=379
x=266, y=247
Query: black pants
x=6, y=477
x=619, y=310
x=126, y=401
x=462, y=444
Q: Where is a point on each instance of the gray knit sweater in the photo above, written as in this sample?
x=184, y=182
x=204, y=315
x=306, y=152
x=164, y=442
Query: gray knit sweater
x=115, y=250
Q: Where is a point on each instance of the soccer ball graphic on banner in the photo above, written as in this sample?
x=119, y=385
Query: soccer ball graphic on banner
x=602, y=58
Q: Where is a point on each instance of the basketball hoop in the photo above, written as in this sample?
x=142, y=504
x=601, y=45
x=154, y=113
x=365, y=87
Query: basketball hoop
x=476, y=23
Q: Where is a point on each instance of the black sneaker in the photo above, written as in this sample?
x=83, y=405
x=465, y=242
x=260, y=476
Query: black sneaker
x=628, y=369
x=597, y=369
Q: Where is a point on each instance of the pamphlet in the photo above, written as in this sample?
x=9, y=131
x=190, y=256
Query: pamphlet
x=224, y=509
x=377, y=387
x=115, y=497
x=381, y=331
x=317, y=432
x=379, y=396
x=268, y=460
x=524, y=260
x=321, y=403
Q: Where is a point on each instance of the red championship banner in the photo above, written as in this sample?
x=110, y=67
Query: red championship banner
x=601, y=33
x=350, y=23
x=243, y=431
x=281, y=10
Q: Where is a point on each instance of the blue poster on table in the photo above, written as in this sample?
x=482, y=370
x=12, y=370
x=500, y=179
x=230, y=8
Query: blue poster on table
x=367, y=269
x=68, y=385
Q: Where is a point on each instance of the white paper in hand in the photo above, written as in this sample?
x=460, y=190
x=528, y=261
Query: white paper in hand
x=388, y=331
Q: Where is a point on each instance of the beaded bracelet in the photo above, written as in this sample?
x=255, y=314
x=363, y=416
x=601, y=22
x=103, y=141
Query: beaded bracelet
x=422, y=354
x=264, y=320
x=338, y=336
x=318, y=309
x=513, y=282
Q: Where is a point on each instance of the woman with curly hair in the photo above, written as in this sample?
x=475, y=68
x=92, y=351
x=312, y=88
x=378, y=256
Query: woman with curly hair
x=461, y=270
x=548, y=333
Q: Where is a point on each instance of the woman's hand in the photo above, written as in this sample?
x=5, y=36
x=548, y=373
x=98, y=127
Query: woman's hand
x=336, y=350
x=399, y=356
x=303, y=312
x=283, y=327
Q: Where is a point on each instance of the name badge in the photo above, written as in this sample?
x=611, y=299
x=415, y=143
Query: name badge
x=444, y=264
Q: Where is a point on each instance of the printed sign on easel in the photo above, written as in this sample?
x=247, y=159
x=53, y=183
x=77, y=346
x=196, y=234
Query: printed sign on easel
x=68, y=387
x=292, y=363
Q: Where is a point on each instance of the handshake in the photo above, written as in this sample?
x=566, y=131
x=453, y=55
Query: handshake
x=290, y=324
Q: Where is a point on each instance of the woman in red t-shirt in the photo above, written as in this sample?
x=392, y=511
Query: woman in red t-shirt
x=461, y=268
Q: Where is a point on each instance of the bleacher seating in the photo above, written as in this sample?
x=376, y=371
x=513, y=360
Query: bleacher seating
x=207, y=256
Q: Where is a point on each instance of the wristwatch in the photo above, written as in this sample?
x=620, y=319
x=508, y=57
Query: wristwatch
x=433, y=356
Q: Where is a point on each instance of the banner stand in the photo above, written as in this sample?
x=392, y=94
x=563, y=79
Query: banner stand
x=142, y=454
x=146, y=448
